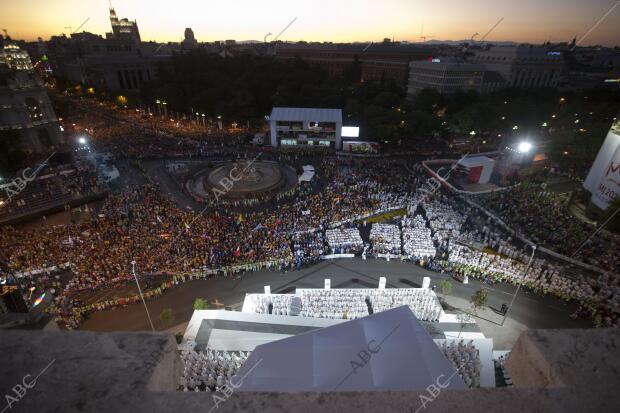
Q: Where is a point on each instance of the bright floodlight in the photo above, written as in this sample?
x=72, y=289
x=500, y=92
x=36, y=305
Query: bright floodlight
x=524, y=147
x=82, y=140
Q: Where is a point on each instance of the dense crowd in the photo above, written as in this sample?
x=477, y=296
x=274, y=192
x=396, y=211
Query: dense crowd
x=141, y=224
x=544, y=217
x=52, y=186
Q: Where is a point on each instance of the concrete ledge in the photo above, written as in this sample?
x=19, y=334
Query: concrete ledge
x=553, y=371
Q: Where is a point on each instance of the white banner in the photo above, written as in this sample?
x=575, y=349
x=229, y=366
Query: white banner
x=609, y=186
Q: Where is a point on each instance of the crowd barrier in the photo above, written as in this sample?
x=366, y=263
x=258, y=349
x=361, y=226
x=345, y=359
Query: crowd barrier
x=335, y=256
x=364, y=216
x=43, y=270
x=180, y=278
x=389, y=256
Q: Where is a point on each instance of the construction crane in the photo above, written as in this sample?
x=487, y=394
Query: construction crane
x=70, y=28
x=422, y=35
x=80, y=26
x=491, y=29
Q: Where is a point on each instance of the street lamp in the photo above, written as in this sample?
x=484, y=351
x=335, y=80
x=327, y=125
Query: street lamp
x=519, y=286
x=133, y=270
x=82, y=140
x=524, y=147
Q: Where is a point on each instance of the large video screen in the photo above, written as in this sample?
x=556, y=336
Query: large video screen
x=350, y=132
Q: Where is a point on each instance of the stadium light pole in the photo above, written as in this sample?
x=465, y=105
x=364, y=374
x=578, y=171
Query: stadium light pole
x=133, y=270
x=519, y=286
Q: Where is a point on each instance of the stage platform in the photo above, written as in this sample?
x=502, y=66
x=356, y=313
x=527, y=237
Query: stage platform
x=242, y=331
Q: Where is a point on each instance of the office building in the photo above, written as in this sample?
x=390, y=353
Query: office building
x=385, y=60
x=523, y=66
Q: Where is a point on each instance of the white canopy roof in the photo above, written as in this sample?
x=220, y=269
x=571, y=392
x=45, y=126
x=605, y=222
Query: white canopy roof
x=385, y=351
x=476, y=161
x=309, y=114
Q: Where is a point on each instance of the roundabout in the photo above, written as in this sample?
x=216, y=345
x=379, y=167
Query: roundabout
x=242, y=179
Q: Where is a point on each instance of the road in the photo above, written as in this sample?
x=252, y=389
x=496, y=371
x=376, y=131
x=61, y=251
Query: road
x=530, y=311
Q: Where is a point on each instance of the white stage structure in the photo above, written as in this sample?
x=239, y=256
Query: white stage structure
x=241, y=331
x=386, y=351
x=306, y=127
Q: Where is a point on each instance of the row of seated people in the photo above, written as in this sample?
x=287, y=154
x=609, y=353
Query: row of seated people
x=465, y=358
x=417, y=238
x=333, y=304
x=351, y=304
x=344, y=240
x=385, y=239
x=209, y=370
x=278, y=303
x=423, y=302
x=444, y=220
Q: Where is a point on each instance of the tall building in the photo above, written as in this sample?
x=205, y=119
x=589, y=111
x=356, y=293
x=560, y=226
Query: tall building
x=27, y=119
x=189, y=39
x=123, y=28
x=120, y=62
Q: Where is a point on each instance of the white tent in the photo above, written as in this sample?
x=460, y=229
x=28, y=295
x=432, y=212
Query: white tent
x=385, y=351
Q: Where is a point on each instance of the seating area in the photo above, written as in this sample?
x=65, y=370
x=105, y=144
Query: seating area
x=280, y=303
x=210, y=370
x=444, y=220
x=466, y=360
x=351, y=303
x=344, y=240
x=417, y=238
x=423, y=302
x=336, y=304
x=385, y=239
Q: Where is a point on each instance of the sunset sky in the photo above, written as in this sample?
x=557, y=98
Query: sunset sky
x=531, y=21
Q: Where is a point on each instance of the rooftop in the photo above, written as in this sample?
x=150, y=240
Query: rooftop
x=312, y=114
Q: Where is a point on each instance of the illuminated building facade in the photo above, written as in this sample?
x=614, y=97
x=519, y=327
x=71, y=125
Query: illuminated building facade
x=27, y=119
x=123, y=28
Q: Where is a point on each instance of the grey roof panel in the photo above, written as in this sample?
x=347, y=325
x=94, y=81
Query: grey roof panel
x=311, y=114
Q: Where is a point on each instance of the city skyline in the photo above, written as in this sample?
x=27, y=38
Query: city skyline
x=345, y=21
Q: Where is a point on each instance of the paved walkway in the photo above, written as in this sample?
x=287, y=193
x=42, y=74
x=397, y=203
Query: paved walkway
x=529, y=311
